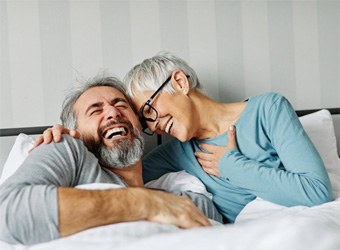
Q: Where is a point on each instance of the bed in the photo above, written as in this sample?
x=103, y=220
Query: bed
x=260, y=225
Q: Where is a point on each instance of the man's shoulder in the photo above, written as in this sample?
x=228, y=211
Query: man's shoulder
x=68, y=144
x=67, y=139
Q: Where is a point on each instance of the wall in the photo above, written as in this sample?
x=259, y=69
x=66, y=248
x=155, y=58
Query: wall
x=239, y=48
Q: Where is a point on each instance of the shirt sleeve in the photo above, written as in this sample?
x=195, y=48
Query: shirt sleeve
x=300, y=180
x=203, y=203
x=161, y=160
x=28, y=199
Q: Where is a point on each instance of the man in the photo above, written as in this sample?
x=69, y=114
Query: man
x=39, y=202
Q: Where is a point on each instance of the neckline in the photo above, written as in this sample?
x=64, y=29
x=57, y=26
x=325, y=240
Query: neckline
x=243, y=113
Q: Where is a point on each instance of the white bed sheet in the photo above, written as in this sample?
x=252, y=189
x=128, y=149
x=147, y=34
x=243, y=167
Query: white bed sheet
x=260, y=225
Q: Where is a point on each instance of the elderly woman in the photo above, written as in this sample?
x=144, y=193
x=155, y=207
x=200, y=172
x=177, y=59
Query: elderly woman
x=240, y=151
x=272, y=157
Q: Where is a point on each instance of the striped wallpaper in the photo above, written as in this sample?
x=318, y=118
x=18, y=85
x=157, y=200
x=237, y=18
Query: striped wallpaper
x=239, y=48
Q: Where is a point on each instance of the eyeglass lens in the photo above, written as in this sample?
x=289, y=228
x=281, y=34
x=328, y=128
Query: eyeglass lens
x=149, y=112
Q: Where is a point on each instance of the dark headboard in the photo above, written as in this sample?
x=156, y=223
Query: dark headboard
x=40, y=130
x=333, y=111
x=25, y=130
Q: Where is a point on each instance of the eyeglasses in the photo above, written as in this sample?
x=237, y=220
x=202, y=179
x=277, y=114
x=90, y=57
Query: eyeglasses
x=148, y=112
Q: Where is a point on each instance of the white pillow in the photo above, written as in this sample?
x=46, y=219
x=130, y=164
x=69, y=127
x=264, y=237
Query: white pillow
x=23, y=143
x=320, y=129
x=318, y=125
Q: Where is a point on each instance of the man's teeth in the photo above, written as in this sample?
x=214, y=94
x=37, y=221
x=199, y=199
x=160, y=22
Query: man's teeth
x=114, y=132
x=168, y=126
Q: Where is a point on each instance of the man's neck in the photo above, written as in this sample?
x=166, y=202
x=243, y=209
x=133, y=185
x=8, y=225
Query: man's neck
x=131, y=175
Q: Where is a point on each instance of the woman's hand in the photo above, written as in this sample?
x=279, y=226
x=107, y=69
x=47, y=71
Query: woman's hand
x=209, y=161
x=54, y=134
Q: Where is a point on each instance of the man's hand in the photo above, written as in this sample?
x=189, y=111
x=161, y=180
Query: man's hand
x=209, y=161
x=54, y=134
x=166, y=208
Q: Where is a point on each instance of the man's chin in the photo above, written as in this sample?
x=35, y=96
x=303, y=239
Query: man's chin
x=118, y=152
x=123, y=153
x=114, y=142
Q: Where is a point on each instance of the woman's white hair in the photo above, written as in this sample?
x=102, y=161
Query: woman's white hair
x=152, y=72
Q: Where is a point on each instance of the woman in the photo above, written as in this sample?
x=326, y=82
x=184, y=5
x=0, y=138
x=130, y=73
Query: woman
x=270, y=157
x=273, y=159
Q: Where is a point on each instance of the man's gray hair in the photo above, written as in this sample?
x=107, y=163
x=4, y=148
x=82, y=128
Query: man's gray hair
x=152, y=72
x=68, y=115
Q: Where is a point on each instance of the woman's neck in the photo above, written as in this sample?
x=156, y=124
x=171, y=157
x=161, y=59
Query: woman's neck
x=214, y=117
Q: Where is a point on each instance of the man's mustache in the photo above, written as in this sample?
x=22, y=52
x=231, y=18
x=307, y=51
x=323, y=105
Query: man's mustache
x=114, y=122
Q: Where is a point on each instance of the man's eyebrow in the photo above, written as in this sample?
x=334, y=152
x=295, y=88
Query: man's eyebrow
x=118, y=99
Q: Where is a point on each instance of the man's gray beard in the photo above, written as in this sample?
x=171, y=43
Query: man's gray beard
x=123, y=154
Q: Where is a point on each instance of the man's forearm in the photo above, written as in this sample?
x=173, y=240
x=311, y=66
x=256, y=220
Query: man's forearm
x=81, y=209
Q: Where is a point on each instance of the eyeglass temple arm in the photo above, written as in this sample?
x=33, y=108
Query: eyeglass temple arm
x=159, y=89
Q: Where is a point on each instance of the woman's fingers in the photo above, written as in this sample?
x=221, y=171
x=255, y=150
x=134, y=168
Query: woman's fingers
x=205, y=163
x=57, y=131
x=75, y=134
x=232, y=137
x=37, y=142
x=54, y=134
x=204, y=156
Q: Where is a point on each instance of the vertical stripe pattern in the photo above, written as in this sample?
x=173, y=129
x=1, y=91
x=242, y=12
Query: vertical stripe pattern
x=238, y=48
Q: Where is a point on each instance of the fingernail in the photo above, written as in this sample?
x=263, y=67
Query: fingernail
x=232, y=128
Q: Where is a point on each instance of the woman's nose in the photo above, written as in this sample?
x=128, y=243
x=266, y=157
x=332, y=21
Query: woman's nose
x=153, y=125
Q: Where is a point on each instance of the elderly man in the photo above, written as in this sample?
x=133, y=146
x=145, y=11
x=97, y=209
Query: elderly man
x=39, y=202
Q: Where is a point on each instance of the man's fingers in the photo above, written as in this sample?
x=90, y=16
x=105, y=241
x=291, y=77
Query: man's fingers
x=192, y=216
x=168, y=208
x=197, y=219
x=202, y=219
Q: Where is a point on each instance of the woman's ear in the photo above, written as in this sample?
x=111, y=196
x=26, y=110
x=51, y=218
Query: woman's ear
x=180, y=82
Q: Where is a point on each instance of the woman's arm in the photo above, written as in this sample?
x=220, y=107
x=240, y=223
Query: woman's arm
x=302, y=178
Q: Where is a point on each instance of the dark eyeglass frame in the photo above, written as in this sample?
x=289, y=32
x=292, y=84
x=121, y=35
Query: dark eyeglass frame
x=144, y=119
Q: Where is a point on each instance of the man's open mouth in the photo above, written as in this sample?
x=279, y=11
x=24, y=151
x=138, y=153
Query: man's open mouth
x=113, y=132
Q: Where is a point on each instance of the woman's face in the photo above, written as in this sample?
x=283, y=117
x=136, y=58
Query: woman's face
x=175, y=113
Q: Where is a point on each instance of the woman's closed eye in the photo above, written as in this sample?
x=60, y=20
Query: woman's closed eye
x=147, y=110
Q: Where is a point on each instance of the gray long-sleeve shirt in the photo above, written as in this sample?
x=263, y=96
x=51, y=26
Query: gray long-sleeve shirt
x=28, y=199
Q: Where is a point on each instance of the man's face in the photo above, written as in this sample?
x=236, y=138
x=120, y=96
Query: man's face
x=109, y=127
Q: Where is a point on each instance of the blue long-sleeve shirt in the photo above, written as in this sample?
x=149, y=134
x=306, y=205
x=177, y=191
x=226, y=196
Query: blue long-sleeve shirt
x=275, y=160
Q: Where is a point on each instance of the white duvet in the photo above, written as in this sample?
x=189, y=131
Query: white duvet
x=260, y=225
